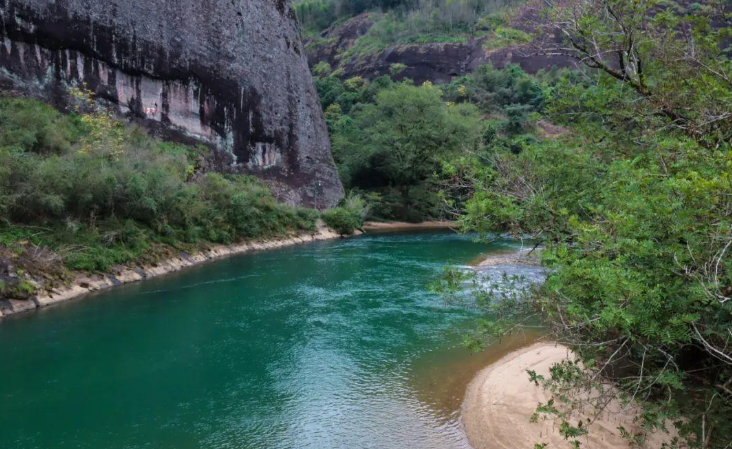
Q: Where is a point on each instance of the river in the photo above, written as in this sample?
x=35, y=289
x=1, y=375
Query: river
x=326, y=345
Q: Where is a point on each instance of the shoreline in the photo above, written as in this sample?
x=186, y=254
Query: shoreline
x=524, y=257
x=85, y=284
x=486, y=399
x=500, y=401
x=406, y=226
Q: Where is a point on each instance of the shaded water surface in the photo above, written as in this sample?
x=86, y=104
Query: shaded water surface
x=327, y=345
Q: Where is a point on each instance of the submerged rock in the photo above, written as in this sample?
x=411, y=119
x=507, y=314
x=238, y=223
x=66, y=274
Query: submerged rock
x=229, y=73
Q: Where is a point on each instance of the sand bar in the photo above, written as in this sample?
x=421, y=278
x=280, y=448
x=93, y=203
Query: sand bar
x=404, y=226
x=501, y=400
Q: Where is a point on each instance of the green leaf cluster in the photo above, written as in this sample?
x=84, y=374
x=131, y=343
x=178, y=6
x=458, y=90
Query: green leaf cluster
x=633, y=204
x=103, y=193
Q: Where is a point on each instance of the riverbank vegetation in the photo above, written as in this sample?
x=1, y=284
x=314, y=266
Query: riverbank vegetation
x=631, y=198
x=389, y=139
x=85, y=191
x=348, y=216
x=620, y=169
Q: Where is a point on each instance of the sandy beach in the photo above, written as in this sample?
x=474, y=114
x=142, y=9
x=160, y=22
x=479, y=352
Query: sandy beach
x=404, y=226
x=501, y=400
x=525, y=257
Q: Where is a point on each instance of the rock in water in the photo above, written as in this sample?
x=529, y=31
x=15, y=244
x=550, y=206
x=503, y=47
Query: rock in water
x=229, y=73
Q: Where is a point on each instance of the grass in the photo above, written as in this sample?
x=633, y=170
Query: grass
x=390, y=30
x=503, y=37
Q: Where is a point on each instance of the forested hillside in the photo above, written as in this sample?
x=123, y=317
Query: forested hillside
x=390, y=139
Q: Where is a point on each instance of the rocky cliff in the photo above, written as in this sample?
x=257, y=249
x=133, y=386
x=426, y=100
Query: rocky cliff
x=436, y=62
x=229, y=73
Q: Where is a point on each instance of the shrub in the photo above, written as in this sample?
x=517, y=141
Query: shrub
x=315, y=14
x=103, y=193
x=348, y=217
x=513, y=35
x=31, y=126
x=322, y=68
x=397, y=68
x=493, y=89
x=355, y=83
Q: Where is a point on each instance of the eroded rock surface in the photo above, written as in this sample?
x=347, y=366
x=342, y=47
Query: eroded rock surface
x=228, y=73
x=434, y=62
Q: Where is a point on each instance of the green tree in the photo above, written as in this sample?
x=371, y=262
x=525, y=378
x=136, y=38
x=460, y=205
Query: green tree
x=398, y=141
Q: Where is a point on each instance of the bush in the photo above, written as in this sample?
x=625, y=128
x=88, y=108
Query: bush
x=397, y=68
x=31, y=126
x=315, y=15
x=104, y=193
x=492, y=89
x=322, y=68
x=348, y=217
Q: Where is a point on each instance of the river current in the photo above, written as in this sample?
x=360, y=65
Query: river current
x=326, y=345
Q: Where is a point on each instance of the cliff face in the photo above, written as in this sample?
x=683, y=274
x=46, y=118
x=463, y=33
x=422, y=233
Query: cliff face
x=434, y=62
x=229, y=73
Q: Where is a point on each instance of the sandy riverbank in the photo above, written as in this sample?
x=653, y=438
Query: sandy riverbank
x=84, y=284
x=526, y=257
x=404, y=226
x=501, y=400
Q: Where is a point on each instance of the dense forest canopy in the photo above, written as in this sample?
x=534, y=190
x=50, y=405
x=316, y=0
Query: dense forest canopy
x=394, y=155
x=390, y=139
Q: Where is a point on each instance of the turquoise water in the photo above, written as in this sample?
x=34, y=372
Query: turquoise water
x=325, y=345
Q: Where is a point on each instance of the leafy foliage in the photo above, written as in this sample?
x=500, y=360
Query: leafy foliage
x=633, y=206
x=391, y=138
x=492, y=89
x=394, y=139
x=347, y=217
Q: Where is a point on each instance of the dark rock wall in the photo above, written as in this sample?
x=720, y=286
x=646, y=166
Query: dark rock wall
x=441, y=62
x=434, y=62
x=229, y=73
x=437, y=63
